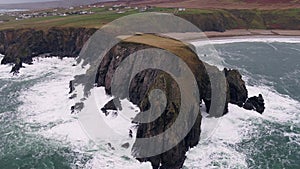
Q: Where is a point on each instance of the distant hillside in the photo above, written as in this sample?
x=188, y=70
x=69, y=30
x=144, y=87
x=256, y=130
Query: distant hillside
x=220, y=4
x=50, y=4
x=206, y=19
x=203, y=4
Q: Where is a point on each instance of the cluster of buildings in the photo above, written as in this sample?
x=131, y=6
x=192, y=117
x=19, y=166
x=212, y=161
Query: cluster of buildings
x=21, y=16
x=124, y=8
x=82, y=10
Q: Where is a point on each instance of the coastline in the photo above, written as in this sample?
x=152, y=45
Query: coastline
x=82, y=34
x=235, y=33
x=252, y=32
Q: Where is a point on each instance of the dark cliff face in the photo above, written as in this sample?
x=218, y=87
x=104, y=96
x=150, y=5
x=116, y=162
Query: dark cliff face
x=24, y=44
x=146, y=81
x=211, y=22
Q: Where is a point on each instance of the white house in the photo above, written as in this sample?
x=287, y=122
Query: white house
x=181, y=9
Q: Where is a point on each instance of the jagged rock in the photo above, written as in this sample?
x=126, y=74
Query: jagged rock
x=71, y=87
x=255, y=103
x=113, y=104
x=73, y=96
x=18, y=65
x=217, y=88
x=237, y=88
x=110, y=146
x=126, y=145
x=77, y=107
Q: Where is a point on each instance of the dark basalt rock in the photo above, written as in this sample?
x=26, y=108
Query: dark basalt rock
x=113, y=104
x=255, y=103
x=126, y=145
x=77, y=107
x=71, y=87
x=237, y=88
x=18, y=65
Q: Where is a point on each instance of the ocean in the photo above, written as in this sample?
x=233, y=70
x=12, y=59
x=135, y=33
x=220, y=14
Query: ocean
x=38, y=130
x=11, y=10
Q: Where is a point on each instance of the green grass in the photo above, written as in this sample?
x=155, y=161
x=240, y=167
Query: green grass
x=95, y=20
x=254, y=19
x=6, y=18
x=198, y=11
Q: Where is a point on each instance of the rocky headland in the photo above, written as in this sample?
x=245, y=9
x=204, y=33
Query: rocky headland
x=145, y=81
x=20, y=46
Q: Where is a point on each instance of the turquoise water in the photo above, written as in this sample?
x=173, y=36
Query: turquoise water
x=20, y=146
x=271, y=141
x=273, y=64
x=276, y=65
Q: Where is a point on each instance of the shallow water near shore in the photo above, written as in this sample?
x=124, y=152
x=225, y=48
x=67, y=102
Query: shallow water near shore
x=38, y=130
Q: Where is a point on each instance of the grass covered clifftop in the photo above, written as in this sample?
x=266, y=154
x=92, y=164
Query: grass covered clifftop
x=205, y=19
x=24, y=44
x=64, y=35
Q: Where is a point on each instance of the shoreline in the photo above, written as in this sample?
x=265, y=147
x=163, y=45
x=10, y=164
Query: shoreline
x=231, y=36
x=234, y=33
x=252, y=32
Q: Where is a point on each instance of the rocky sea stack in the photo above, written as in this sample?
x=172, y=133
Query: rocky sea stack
x=145, y=81
x=20, y=46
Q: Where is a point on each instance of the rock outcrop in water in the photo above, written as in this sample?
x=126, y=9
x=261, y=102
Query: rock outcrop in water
x=139, y=89
x=255, y=103
x=237, y=87
x=145, y=81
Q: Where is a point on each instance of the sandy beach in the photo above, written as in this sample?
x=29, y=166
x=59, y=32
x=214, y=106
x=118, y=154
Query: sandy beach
x=195, y=36
x=252, y=32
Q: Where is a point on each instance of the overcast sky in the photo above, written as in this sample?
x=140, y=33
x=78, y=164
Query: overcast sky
x=41, y=4
x=21, y=1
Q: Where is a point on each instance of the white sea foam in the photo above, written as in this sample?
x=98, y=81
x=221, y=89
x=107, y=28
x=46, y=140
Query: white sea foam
x=43, y=106
x=266, y=39
x=46, y=111
x=46, y=103
x=219, y=151
x=12, y=10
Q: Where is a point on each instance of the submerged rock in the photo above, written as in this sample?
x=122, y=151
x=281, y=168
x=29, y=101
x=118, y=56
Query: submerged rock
x=113, y=104
x=125, y=145
x=77, y=107
x=18, y=65
x=71, y=87
x=255, y=103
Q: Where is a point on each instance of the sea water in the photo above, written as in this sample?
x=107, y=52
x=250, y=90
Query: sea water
x=38, y=130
